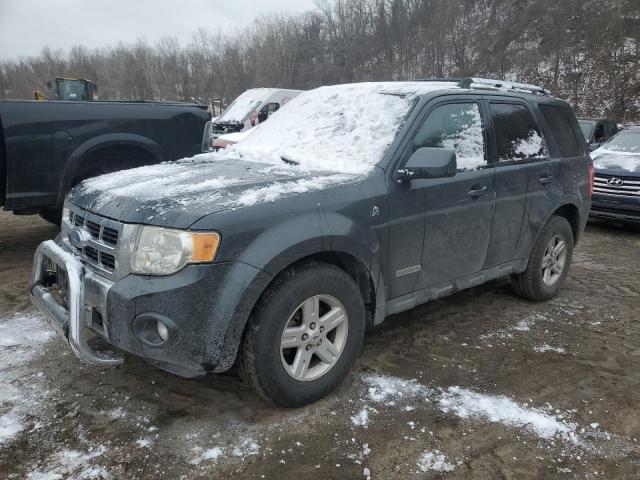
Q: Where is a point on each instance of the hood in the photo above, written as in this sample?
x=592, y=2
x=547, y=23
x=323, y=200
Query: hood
x=177, y=194
x=618, y=163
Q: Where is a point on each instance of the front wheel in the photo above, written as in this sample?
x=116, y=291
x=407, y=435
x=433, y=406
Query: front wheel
x=548, y=264
x=304, y=335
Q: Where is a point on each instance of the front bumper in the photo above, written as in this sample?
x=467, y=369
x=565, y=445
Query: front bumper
x=206, y=307
x=615, y=208
x=71, y=321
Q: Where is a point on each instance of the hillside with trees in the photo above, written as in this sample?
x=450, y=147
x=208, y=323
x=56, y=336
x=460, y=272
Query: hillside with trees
x=585, y=51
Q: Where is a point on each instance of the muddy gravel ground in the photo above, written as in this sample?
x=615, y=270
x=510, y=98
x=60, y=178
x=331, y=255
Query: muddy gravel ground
x=479, y=385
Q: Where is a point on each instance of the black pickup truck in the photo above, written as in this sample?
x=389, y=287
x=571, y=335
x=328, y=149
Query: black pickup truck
x=48, y=147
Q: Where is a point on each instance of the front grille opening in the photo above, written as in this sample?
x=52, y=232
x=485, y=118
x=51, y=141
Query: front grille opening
x=78, y=220
x=110, y=235
x=108, y=261
x=91, y=253
x=94, y=229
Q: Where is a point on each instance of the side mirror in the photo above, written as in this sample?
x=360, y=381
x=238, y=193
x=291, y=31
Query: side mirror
x=429, y=162
x=594, y=146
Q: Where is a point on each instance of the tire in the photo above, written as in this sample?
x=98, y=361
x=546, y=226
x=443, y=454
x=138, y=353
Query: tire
x=270, y=369
x=535, y=283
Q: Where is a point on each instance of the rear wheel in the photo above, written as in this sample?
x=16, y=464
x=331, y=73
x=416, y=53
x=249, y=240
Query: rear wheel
x=548, y=264
x=304, y=335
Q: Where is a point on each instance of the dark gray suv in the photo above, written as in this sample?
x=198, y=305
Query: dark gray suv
x=354, y=202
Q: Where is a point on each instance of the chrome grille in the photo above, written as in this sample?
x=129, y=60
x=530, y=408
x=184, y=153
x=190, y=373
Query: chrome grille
x=612, y=185
x=100, y=252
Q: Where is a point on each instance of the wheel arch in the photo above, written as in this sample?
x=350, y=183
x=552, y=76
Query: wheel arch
x=570, y=212
x=346, y=261
x=80, y=160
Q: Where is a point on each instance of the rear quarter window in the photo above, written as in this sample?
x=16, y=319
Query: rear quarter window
x=559, y=120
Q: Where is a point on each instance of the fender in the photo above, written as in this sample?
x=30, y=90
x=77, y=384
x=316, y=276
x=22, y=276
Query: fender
x=360, y=242
x=94, y=144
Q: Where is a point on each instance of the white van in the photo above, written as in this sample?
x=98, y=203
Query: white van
x=248, y=110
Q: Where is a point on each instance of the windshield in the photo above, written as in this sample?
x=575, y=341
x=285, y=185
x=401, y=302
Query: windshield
x=625, y=141
x=72, y=90
x=241, y=107
x=587, y=128
x=341, y=128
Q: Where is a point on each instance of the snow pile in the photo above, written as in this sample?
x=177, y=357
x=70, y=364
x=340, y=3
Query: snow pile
x=22, y=337
x=345, y=128
x=72, y=464
x=435, y=461
x=273, y=191
x=468, y=404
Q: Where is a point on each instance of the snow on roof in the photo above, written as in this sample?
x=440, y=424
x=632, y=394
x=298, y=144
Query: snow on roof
x=246, y=103
x=343, y=128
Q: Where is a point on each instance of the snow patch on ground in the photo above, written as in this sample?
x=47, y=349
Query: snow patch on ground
x=435, y=461
x=548, y=348
x=246, y=447
x=22, y=337
x=361, y=419
x=523, y=325
x=72, y=464
x=389, y=390
x=468, y=404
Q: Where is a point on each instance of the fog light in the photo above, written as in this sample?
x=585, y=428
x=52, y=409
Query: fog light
x=162, y=331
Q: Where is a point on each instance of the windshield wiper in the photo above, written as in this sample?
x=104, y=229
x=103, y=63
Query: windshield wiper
x=290, y=162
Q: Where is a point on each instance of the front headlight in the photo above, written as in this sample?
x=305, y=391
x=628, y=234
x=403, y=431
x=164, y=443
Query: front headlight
x=162, y=251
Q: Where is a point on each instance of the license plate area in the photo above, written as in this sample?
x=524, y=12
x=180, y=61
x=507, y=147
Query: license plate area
x=57, y=281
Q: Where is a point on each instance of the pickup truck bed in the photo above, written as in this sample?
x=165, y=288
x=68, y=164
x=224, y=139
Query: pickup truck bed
x=48, y=147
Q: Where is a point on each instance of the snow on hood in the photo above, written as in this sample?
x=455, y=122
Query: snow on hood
x=194, y=187
x=610, y=160
x=345, y=128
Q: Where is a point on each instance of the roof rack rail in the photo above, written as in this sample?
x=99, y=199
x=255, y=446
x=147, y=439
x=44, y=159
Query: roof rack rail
x=503, y=85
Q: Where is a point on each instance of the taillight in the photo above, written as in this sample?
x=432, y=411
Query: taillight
x=591, y=180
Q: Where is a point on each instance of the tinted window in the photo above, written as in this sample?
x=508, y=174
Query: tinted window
x=517, y=135
x=458, y=127
x=559, y=119
x=611, y=129
x=598, y=135
x=587, y=128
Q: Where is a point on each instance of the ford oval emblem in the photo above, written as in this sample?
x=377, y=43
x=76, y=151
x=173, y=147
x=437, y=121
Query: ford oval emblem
x=79, y=237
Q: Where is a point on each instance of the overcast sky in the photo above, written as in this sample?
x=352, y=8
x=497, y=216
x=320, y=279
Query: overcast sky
x=28, y=25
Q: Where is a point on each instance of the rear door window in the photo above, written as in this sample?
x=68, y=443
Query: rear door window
x=559, y=120
x=517, y=134
x=457, y=127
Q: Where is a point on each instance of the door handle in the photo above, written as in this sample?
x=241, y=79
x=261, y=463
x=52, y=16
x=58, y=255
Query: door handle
x=546, y=179
x=477, y=191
